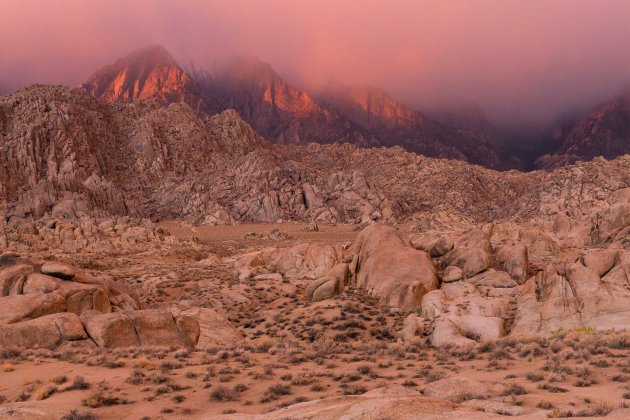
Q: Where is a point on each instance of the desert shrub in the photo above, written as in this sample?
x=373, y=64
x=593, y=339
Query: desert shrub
x=179, y=398
x=620, y=340
x=222, y=393
x=598, y=409
x=278, y=389
x=552, y=388
x=535, y=377
x=10, y=353
x=240, y=388
x=364, y=370
x=136, y=377
x=75, y=415
x=303, y=379
x=60, y=379
x=44, y=392
x=78, y=383
x=158, y=378
x=514, y=389
x=100, y=398
x=433, y=376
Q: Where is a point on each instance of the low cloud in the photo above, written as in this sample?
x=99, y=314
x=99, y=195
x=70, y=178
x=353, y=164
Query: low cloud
x=519, y=60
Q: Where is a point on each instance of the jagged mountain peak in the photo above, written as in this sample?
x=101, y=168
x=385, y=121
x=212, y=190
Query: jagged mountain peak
x=605, y=131
x=254, y=88
x=148, y=73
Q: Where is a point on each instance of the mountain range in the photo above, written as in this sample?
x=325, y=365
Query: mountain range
x=362, y=115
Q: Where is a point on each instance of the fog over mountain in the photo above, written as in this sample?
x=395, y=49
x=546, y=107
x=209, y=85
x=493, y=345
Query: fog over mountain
x=519, y=61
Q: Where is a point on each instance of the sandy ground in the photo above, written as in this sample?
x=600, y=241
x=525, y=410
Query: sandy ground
x=296, y=351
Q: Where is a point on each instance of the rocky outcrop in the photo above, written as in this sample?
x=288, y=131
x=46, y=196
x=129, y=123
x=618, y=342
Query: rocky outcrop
x=141, y=328
x=48, y=331
x=388, y=267
x=576, y=296
x=214, y=329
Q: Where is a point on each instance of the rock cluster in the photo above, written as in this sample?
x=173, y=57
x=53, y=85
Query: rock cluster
x=45, y=305
x=480, y=283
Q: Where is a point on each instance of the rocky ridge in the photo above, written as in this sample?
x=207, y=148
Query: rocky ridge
x=602, y=132
x=66, y=155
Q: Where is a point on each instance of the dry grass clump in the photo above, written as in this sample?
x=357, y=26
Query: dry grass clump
x=103, y=397
x=552, y=388
x=136, y=377
x=44, y=392
x=598, y=409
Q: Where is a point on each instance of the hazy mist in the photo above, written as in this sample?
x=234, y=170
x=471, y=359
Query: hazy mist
x=520, y=60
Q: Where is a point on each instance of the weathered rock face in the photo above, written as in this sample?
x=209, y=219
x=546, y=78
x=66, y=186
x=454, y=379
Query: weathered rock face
x=141, y=328
x=47, y=331
x=387, y=266
x=330, y=285
x=463, y=312
x=577, y=297
x=40, y=305
x=214, y=329
x=514, y=261
x=453, y=388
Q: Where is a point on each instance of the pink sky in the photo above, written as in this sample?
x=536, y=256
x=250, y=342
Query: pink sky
x=517, y=59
